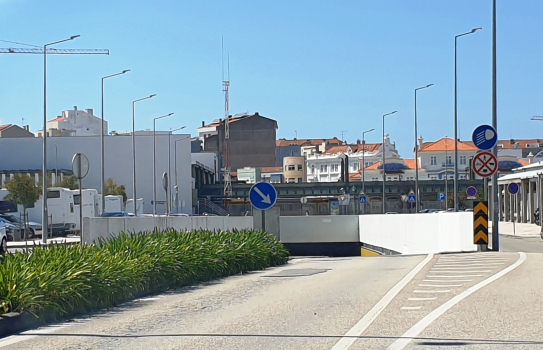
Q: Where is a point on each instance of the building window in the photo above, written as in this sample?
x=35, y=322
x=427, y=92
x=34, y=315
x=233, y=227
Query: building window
x=433, y=160
x=325, y=168
x=463, y=160
x=299, y=180
x=355, y=166
x=291, y=167
x=449, y=160
x=312, y=169
x=300, y=167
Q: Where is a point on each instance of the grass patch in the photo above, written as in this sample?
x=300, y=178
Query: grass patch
x=65, y=279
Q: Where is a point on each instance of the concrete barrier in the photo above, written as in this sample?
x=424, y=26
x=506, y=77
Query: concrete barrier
x=96, y=228
x=419, y=233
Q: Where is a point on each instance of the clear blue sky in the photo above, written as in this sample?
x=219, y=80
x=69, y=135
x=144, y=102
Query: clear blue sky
x=318, y=67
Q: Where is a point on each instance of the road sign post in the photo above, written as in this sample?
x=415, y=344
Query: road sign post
x=513, y=188
x=263, y=197
x=485, y=164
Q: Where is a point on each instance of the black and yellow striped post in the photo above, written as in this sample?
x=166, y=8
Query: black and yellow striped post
x=480, y=223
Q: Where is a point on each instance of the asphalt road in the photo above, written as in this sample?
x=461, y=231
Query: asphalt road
x=458, y=301
x=529, y=244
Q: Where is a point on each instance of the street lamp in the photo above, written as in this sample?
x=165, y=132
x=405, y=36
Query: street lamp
x=456, y=122
x=169, y=194
x=103, y=180
x=154, y=161
x=446, y=175
x=417, y=201
x=364, y=162
x=384, y=161
x=44, y=213
x=134, y=150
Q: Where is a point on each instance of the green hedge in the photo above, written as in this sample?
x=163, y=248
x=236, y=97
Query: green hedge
x=64, y=279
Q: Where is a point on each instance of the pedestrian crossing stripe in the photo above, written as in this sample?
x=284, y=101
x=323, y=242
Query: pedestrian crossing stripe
x=480, y=223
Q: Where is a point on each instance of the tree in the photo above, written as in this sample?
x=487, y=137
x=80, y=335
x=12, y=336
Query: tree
x=23, y=191
x=70, y=182
x=113, y=189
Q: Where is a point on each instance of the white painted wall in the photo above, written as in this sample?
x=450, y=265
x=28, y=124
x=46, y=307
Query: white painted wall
x=319, y=229
x=95, y=228
x=419, y=233
x=26, y=153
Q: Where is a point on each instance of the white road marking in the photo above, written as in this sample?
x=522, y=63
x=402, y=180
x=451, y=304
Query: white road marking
x=28, y=334
x=350, y=337
x=408, y=336
x=456, y=271
x=440, y=285
x=465, y=265
x=411, y=307
x=431, y=291
x=461, y=276
x=447, y=281
x=422, y=299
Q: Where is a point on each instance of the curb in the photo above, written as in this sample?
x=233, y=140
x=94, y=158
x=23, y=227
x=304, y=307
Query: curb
x=14, y=322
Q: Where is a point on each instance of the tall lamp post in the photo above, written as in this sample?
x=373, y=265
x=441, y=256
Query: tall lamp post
x=417, y=200
x=446, y=175
x=169, y=194
x=134, y=151
x=154, y=161
x=44, y=212
x=456, y=121
x=384, y=161
x=364, y=162
x=102, y=179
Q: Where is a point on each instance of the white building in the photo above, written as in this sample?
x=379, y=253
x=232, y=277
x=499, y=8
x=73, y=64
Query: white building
x=327, y=166
x=25, y=156
x=75, y=123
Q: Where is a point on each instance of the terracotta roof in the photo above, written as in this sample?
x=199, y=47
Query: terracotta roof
x=523, y=162
x=357, y=175
x=520, y=143
x=57, y=119
x=411, y=163
x=374, y=166
x=337, y=149
x=4, y=127
x=445, y=144
x=284, y=143
x=272, y=169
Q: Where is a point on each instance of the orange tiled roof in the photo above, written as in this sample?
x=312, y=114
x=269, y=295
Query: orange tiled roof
x=57, y=119
x=445, y=144
x=369, y=147
x=410, y=163
x=374, y=166
x=4, y=127
x=303, y=142
x=523, y=162
x=271, y=169
x=521, y=143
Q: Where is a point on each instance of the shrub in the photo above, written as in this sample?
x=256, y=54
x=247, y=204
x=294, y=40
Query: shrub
x=62, y=279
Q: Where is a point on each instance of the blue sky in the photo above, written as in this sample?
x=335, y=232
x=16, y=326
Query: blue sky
x=317, y=67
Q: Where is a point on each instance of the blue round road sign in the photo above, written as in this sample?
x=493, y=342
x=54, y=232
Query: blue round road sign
x=484, y=137
x=471, y=191
x=513, y=188
x=263, y=195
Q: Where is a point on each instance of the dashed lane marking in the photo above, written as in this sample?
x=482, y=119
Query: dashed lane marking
x=460, y=276
x=411, y=307
x=447, y=281
x=440, y=285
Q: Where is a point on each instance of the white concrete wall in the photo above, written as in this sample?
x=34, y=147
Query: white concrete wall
x=319, y=229
x=419, y=233
x=25, y=153
x=94, y=228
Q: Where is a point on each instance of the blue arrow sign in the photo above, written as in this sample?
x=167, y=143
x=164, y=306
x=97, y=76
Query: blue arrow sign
x=513, y=188
x=263, y=195
x=363, y=199
x=441, y=196
x=484, y=137
x=412, y=198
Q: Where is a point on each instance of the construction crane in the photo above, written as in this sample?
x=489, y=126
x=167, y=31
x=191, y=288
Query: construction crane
x=57, y=51
x=537, y=117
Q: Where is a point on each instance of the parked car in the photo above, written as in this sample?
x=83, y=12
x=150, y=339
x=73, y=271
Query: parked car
x=115, y=214
x=3, y=239
x=16, y=221
x=9, y=228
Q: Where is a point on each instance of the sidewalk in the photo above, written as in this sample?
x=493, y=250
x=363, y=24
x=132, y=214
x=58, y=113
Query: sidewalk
x=517, y=229
x=55, y=240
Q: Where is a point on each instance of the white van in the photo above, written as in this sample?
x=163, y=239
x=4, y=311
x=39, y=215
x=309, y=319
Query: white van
x=61, y=210
x=91, y=204
x=113, y=203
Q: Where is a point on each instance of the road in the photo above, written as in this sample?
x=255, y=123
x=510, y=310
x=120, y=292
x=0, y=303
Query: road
x=527, y=244
x=482, y=300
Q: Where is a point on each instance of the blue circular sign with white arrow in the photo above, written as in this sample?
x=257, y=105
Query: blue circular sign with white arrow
x=484, y=137
x=263, y=195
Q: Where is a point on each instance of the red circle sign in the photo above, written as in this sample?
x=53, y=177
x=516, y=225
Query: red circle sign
x=485, y=164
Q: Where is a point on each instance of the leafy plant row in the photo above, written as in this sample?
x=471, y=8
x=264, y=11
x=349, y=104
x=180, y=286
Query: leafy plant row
x=62, y=279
